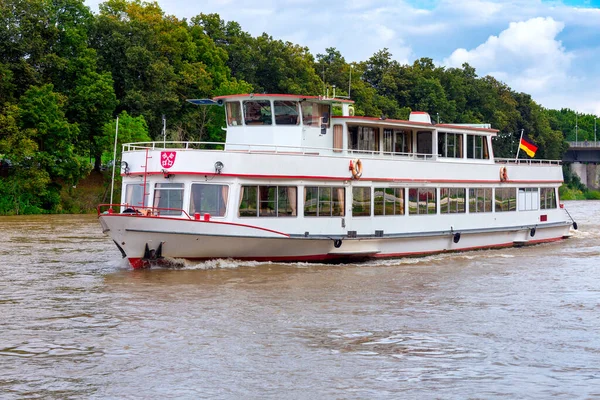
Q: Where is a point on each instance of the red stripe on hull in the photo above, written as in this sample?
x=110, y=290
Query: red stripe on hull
x=139, y=263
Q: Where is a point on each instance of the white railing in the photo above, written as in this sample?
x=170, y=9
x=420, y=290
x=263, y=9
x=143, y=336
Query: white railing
x=271, y=149
x=527, y=161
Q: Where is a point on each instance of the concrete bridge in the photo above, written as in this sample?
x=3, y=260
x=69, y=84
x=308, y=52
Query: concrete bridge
x=585, y=162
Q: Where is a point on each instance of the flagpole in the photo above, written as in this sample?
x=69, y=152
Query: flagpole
x=519, y=145
x=112, y=182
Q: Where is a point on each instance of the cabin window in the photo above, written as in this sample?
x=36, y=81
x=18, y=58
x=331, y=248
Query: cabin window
x=268, y=201
x=321, y=201
x=286, y=112
x=452, y=200
x=168, y=198
x=450, y=145
x=361, y=201
x=134, y=194
x=363, y=139
x=315, y=114
x=396, y=141
x=234, y=113
x=547, y=198
x=506, y=199
x=389, y=201
x=209, y=199
x=477, y=147
x=480, y=200
x=424, y=142
x=528, y=199
x=422, y=201
x=257, y=112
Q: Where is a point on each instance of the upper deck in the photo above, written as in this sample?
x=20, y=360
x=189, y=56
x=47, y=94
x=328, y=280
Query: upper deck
x=296, y=123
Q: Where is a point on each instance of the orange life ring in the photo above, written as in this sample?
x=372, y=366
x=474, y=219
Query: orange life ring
x=503, y=174
x=356, y=168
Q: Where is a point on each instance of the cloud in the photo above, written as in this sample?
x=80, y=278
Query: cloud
x=527, y=56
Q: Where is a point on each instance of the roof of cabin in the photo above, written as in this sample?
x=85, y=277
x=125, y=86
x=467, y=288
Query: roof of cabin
x=298, y=97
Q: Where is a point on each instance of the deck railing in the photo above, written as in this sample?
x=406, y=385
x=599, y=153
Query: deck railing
x=328, y=151
x=532, y=161
x=270, y=149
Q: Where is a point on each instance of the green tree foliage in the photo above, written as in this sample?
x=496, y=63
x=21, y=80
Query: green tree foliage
x=131, y=130
x=65, y=74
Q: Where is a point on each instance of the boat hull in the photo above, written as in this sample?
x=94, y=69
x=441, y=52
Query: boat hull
x=138, y=237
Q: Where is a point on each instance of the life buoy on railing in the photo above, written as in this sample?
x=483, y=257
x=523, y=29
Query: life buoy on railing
x=356, y=168
x=503, y=174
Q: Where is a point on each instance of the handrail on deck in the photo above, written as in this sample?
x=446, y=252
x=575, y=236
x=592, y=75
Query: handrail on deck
x=146, y=211
x=268, y=148
x=527, y=161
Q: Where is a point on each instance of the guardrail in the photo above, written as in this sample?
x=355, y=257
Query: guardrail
x=527, y=161
x=584, y=144
x=270, y=149
x=147, y=211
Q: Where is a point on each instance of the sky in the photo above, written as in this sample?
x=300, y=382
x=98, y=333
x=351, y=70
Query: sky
x=547, y=48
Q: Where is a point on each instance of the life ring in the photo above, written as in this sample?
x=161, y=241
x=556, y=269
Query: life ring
x=503, y=174
x=356, y=168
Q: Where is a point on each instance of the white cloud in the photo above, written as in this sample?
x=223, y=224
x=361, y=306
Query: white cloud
x=527, y=56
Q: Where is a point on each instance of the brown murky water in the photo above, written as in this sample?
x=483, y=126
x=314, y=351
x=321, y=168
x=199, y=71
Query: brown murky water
x=76, y=322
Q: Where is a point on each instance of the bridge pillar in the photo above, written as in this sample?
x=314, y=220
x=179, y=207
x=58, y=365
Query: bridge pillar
x=588, y=173
x=580, y=170
x=592, y=171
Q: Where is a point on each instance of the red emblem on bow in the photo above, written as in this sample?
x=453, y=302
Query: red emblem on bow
x=167, y=158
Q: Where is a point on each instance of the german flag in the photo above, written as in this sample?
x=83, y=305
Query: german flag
x=527, y=146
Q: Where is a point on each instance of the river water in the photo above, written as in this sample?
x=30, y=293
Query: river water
x=77, y=322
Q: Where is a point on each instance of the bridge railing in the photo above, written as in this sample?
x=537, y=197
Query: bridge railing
x=585, y=143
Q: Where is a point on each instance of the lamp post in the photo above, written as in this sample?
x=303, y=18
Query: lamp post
x=595, y=119
x=576, y=141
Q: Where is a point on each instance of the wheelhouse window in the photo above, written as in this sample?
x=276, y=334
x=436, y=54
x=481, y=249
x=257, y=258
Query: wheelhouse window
x=450, y=145
x=480, y=200
x=506, y=199
x=134, y=194
x=422, y=201
x=389, y=201
x=315, y=114
x=528, y=199
x=452, y=200
x=168, y=198
x=268, y=201
x=361, y=201
x=397, y=141
x=257, y=112
x=234, y=113
x=547, y=198
x=209, y=199
x=322, y=201
x=477, y=147
x=363, y=138
x=286, y=112
x=424, y=142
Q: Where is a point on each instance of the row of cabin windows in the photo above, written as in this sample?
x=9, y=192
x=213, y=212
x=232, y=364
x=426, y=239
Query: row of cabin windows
x=280, y=112
x=328, y=201
x=366, y=139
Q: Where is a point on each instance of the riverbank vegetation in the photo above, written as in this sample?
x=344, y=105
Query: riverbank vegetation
x=67, y=73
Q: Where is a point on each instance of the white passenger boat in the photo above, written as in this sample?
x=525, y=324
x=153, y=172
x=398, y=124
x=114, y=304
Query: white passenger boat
x=300, y=178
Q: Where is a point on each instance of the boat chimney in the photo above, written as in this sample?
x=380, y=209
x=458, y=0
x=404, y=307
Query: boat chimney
x=419, y=116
